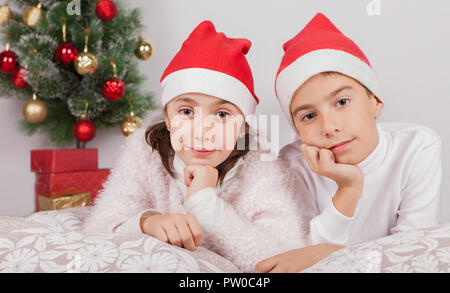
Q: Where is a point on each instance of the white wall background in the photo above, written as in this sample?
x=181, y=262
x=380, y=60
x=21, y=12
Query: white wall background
x=408, y=45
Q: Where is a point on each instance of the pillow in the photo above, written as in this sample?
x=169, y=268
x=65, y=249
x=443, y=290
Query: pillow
x=425, y=250
x=52, y=242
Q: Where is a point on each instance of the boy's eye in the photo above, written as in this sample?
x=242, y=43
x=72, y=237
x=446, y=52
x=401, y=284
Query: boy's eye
x=222, y=114
x=343, y=101
x=186, y=112
x=308, y=116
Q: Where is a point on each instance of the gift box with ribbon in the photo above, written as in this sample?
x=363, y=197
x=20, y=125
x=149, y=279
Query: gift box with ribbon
x=64, y=160
x=86, y=181
x=63, y=200
x=64, y=172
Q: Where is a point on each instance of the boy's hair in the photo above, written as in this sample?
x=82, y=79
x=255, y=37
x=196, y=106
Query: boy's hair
x=158, y=137
x=338, y=73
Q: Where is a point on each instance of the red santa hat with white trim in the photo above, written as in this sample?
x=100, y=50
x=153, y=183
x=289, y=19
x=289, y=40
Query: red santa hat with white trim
x=320, y=47
x=211, y=63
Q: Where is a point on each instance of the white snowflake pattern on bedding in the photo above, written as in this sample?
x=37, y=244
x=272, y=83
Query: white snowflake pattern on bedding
x=51, y=242
x=418, y=251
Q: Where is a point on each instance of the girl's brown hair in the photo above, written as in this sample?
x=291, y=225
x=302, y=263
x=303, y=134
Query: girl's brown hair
x=158, y=137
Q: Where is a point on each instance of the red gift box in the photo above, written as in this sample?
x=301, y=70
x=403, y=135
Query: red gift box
x=87, y=181
x=64, y=160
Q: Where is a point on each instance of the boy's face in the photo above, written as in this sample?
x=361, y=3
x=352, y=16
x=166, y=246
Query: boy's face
x=335, y=112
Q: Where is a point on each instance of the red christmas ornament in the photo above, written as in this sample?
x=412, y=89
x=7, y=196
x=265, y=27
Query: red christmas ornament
x=66, y=52
x=106, y=10
x=84, y=130
x=113, y=89
x=8, y=61
x=18, y=77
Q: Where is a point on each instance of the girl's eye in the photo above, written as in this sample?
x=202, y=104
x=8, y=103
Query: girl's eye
x=343, y=101
x=186, y=112
x=223, y=114
x=308, y=116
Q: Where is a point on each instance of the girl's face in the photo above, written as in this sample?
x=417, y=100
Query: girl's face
x=335, y=112
x=203, y=129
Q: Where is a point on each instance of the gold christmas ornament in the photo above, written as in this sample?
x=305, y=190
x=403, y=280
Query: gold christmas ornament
x=144, y=49
x=34, y=110
x=33, y=15
x=86, y=63
x=5, y=14
x=130, y=124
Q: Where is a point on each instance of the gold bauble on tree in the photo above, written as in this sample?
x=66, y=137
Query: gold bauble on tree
x=34, y=110
x=5, y=14
x=86, y=63
x=130, y=124
x=33, y=15
x=144, y=49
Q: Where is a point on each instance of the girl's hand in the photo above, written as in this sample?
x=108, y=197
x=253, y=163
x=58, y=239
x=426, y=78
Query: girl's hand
x=322, y=162
x=296, y=260
x=197, y=177
x=177, y=229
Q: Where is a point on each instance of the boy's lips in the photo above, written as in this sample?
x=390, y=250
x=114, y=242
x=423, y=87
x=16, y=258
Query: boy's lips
x=341, y=146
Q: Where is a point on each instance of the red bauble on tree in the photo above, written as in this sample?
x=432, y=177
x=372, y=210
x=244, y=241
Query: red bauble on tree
x=84, y=130
x=18, y=77
x=8, y=61
x=66, y=53
x=113, y=89
x=106, y=10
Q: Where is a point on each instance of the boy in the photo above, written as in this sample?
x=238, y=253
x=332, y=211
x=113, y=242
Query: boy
x=359, y=180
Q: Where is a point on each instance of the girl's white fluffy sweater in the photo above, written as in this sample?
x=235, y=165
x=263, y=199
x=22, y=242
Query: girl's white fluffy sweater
x=255, y=215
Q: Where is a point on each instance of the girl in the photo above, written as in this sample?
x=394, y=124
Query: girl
x=191, y=178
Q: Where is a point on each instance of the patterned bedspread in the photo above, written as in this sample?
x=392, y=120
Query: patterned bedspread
x=418, y=251
x=51, y=242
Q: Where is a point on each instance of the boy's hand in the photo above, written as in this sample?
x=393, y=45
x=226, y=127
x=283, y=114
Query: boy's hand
x=296, y=260
x=197, y=177
x=177, y=229
x=322, y=162
x=349, y=178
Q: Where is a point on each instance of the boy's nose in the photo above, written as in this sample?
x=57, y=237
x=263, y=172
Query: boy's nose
x=330, y=126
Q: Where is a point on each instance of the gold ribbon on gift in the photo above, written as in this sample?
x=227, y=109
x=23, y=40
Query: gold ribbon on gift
x=63, y=202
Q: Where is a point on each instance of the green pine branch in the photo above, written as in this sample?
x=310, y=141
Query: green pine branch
x=59, y=86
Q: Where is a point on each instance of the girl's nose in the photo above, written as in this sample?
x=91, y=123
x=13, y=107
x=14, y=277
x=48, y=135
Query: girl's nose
x=202, y=125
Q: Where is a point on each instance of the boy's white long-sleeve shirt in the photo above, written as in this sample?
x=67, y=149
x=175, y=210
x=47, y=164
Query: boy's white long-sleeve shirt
x=402, y=179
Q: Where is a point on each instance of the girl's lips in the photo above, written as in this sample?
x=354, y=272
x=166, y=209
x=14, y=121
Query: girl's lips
x=342, y=146
x=202, y=152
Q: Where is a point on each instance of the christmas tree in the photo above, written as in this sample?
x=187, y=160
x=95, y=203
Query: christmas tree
x=76, y=62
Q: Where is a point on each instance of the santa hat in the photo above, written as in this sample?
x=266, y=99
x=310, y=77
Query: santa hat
x=213, y=64
x=320, y=47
